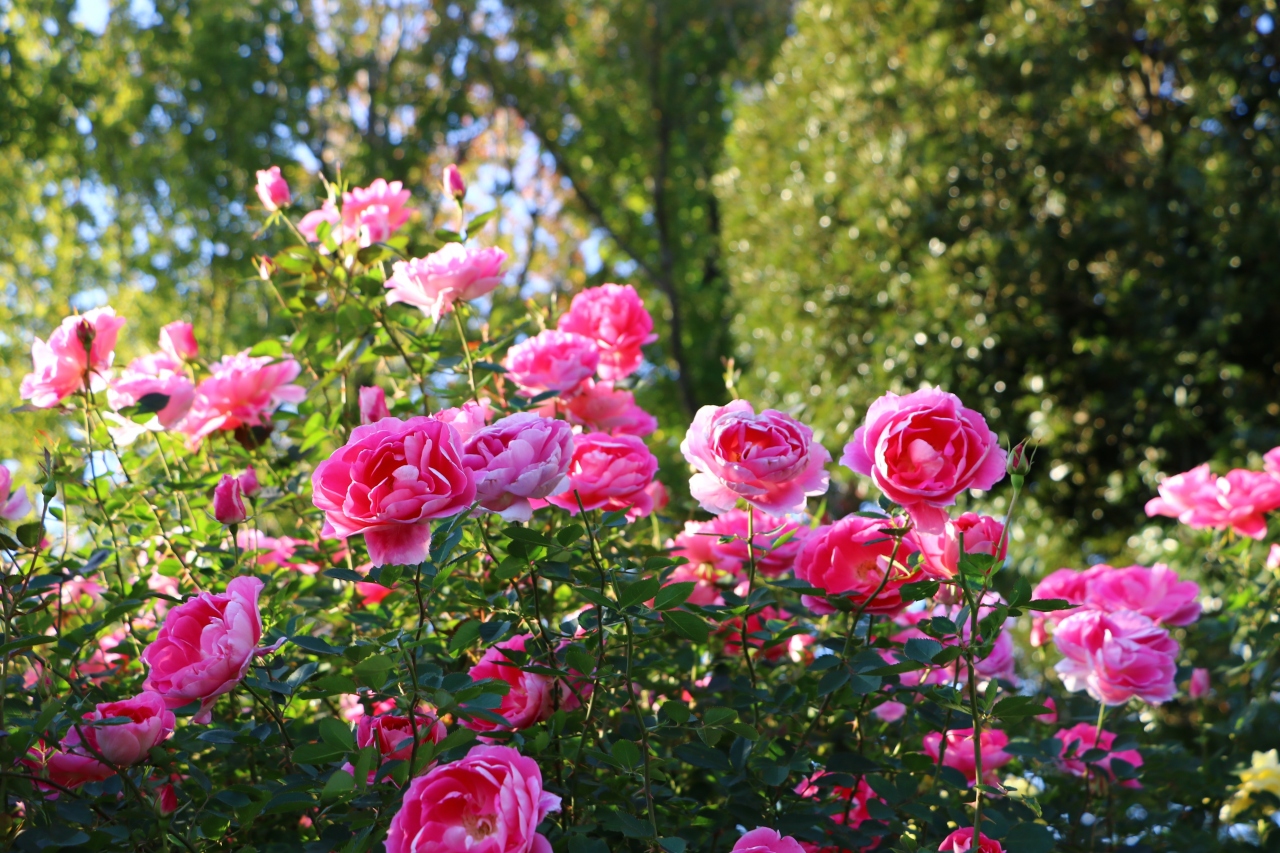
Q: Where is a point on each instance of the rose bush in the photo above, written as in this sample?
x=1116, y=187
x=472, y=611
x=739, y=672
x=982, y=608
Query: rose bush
x=407, y=581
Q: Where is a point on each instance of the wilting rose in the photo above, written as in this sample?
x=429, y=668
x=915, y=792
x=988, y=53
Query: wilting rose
x=923, y=450
x=123, y=744
x=204, y=646
x=1081, y=738
x=1116, y=657
x=851, y=558
x=78, y=351
x=609, y=472
x=551, y=361
x=765, y=840
x=960, y=752
x=242, y=390
x=768, y=459
x=455, y=273
x=521, y=457
x=614, y=316
x=529, y=699
x=273, y=189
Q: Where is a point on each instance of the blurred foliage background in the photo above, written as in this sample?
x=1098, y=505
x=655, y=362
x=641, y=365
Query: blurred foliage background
x=1065, y=212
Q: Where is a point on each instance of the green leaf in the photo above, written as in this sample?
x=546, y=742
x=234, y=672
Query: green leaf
x=337, y=733
x=339, y=785
x=315, y=644
x=641, y=590
x=1029, y=838
x=268, y=347
x=372, y=667
x=1019, y=706
x=922, y=649
x=317, y=753
x=468, y=632
x=30, y=534
x=673, y=595
x=570, y=534
x=633, y=827
x=688, y=625
x=343, y=575
x=918, y=591
x=26, y=643
x=524, y=534
x=673, y=844
x=626, y=753
x=1045, y=604
x=832, y=680
x=579, y=660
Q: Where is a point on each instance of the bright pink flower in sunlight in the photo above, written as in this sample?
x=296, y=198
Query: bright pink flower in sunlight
x=614, y=316
x=78, y=351
x=242, y=390
x=455, y=273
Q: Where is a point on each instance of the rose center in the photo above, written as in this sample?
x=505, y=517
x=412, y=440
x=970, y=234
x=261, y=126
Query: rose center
x=478, y=826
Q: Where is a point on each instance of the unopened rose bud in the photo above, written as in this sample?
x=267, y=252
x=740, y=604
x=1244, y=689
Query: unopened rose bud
x=178, y=341
x=85, y=333
x=1019, y=460
x=272, y=189
x=248, y=482
x=228, y=506
x=373, y=405
x=453, y=183
x=266, y=267
x=1199, y=687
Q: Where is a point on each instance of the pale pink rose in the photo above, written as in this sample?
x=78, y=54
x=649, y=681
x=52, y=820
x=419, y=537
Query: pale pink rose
x=599, y=407
x=158, y=373
x=767, y=459
x=961, y=841
x=609, y=472
x=923, y=450
x=274, y=552
x=272, y=189
x=1198, y=686
x=452, y=182
x=178, y=341
x=1116, y=657
x=123, y=744
x=452, y=274
x=521, y=457
x=375, y=212
x=242, y=390
x=940, y=551
x=890, y=712
x=529, y=699
x=1155, y=592
x=13, y=502
x=373, y=404
x=1081, y=738
x=658, y=494
x=80, y=350
x=1051, y=716
x=393, y=734
x=228, y=505
x=309, y=225
x=249, y=482
x=851, y=559
x=490, y=801
x=1240, y=500
x=468, y=418
x=960, y=755
x=204, y=646
x=1064, y=584
x=614, y=316
x=1271, y=462
x=765, y=840
x=771, y=559
x=551, y=361
x=389, y=481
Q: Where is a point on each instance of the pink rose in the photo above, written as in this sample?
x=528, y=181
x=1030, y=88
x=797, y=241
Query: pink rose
x=242, y=390
x=65, y=768
x=1240, y=500
x=452, y=182
x=249, y=482
x=375, y=212
x=204, y=646
x=767, y=459
x=1116, y=657
x=272, y=189
x=851, y=558
x=765, y=840
x=1198, y=687
x=658, y=494
x=78, y=351
x=373, y=404
x=1064, y=584
x=551, y=361
x=309, y=225
x=922, y=450
x=228, y=506
x=1155, y=592
x=1182, y=494
x=709, y=571
x=529, y=699
x=521, y=457
x=940, y=552
x=1081, y=738
x=771, y=559
x=1051, y=716
x=274, y=552
x=13, y=502
x=490, y=801
x=467, y=418
x=612, y=315
x=960, y=755
x=599, y=407
x=853, y=802
x=123, y=744
x=393, y=735
x=961, y=841
x=178, y=341
x=609, y=472
x=1271, y=462
x=158, y=373
x=452, y=274
x=389, y=481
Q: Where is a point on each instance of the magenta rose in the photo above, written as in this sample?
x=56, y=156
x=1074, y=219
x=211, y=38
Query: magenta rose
x=599, y=407
x=375, y=212
x=393, y=735
x=529, y=699
x=923, y=450
x=490, y=801
x=77, y=352
x=765, y=840
x=522, y=457
x=1183, y=494
x=767, y=459
x=1081, y=738
x=851, y=558
x=453, y=274
x=940, y=552
x=1066, y=584
x=242, y=390
x=373, y=404
x=961, y=841
x=614, y=316
x=228, y=503
x=1246, y=498
x=710, y=571
x=123, y=744
x=960, y=752
x=551, y=361
x=452, y=183
x=1155, y=592
x=609, y=472
x=389, y=481
x=1116, y=657
x=272, y=188
x=1198, y=685
x=204, y=647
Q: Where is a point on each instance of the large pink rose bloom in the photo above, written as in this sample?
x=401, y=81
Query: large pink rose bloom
x=924, y=449
x=940, y=552
x=521, y=457
x=851, y=558
x=1066, y=584
x=490, y=801
x=13, y=502
x=204, y=646
x=453, y=274
x=599, y=407
x=529, y=699
x=960, y=753
x=1081, y=738
x=767, y=459
x=551, y=361
x=62, y=364
x=1240, y=500
x=1116, y=657
x=1155, y=592
x=1182, y=494
x=375, y=212
x=961, y=841
x=123, y=744
x=389, y=481
x=242, y=390
x=609, y=472
x=766, y=840
x=158, y=373
x=614, y=316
